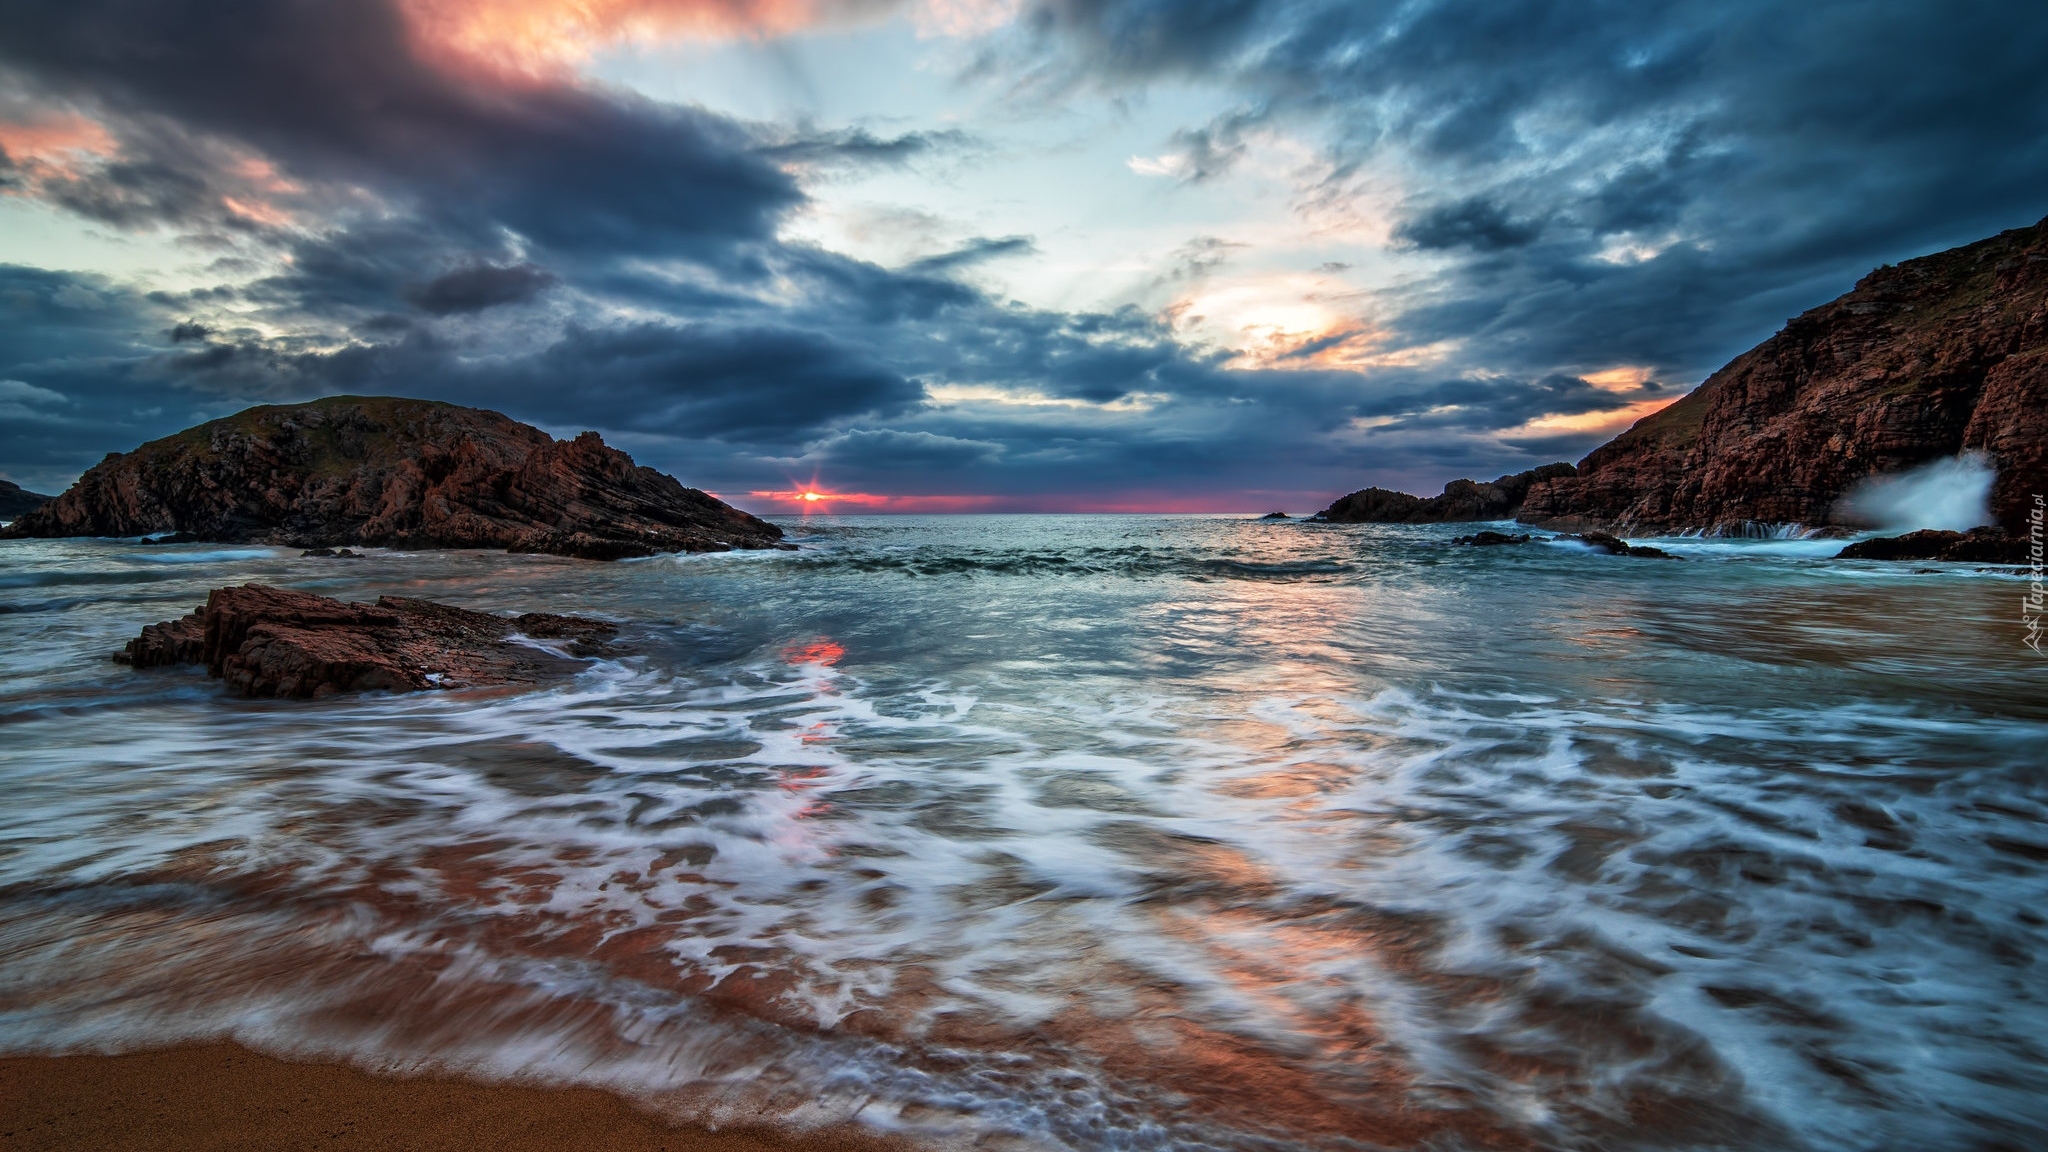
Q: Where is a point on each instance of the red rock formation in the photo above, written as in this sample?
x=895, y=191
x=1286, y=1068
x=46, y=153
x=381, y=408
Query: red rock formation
x=398, y=473
x=268, y=641
x=1936, y=356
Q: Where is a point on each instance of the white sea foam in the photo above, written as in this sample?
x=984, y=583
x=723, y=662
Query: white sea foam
x=1949, y=493
x=1382, y=845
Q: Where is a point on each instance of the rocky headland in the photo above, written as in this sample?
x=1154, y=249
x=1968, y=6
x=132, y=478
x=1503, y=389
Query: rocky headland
x=266, y=641
x=15, y=500
x=1461, y=500
x=1938, y=356
x=1928, y=359
x=384, y=471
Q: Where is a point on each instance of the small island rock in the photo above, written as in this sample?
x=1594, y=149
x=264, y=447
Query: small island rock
x=15, y=500
x=384, y=471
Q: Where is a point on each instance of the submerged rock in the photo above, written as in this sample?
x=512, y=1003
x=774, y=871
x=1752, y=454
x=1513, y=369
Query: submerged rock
x=266, y=641
x=1978, y=545
x=1491, y=539
x=379, y=470
x=1276, y=516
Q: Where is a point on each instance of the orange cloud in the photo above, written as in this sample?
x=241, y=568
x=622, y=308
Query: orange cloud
x=544, y=35
x=1293, y=320
x=258, y=211
x=1626, y=378
x=1609, y=421
x=57, y=143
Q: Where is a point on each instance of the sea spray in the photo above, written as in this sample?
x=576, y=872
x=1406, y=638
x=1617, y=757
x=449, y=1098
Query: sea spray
x=1949, y=493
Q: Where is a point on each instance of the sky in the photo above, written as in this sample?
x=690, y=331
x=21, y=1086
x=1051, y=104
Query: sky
x=975, y=255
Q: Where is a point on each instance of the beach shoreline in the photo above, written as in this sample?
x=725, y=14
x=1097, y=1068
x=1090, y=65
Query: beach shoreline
x=218, y=1097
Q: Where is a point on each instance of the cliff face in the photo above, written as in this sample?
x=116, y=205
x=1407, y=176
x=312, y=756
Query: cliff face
x=14, y=499
x=1936, y=356
x=399, y=473
x=1462, y=500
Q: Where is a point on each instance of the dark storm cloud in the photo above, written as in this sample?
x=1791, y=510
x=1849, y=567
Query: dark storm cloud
x=730, y=407
x=1603, y=184
x=70, y=348
x=336, y=96
x=885, y=451
x=1728, y=161
x=1092, y=357
x=746, y=384
x=479, y=286
x=485, y=191
x=1489, y=405
x=1478, y=224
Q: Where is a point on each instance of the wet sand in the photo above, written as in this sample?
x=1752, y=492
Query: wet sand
x=219, y=1097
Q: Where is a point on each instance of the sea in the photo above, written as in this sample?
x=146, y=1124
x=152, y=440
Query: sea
x=1082, y=832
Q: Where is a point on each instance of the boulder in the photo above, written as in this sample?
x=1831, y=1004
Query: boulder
x=266, y=641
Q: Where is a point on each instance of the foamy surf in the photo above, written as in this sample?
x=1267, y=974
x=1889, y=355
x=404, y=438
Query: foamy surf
x=1036, y=830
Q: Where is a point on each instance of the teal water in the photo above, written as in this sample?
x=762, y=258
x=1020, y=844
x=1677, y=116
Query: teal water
x=1084, y=832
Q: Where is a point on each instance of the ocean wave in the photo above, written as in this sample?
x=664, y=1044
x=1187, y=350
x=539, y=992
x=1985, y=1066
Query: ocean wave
x=1081, y=562
x=1457, y=861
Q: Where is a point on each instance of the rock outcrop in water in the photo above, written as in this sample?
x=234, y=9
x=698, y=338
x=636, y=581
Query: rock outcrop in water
x=1981, y=546
x=15, y=500
x=266, y=641
x=1461, y=500
x=392, y=472
x=1616, y=546
x=1940, y=355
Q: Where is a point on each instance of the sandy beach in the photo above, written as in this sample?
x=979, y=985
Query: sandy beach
x=217, y=1097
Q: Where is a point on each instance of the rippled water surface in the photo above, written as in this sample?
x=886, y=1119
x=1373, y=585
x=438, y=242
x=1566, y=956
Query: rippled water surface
x=1084, y=832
